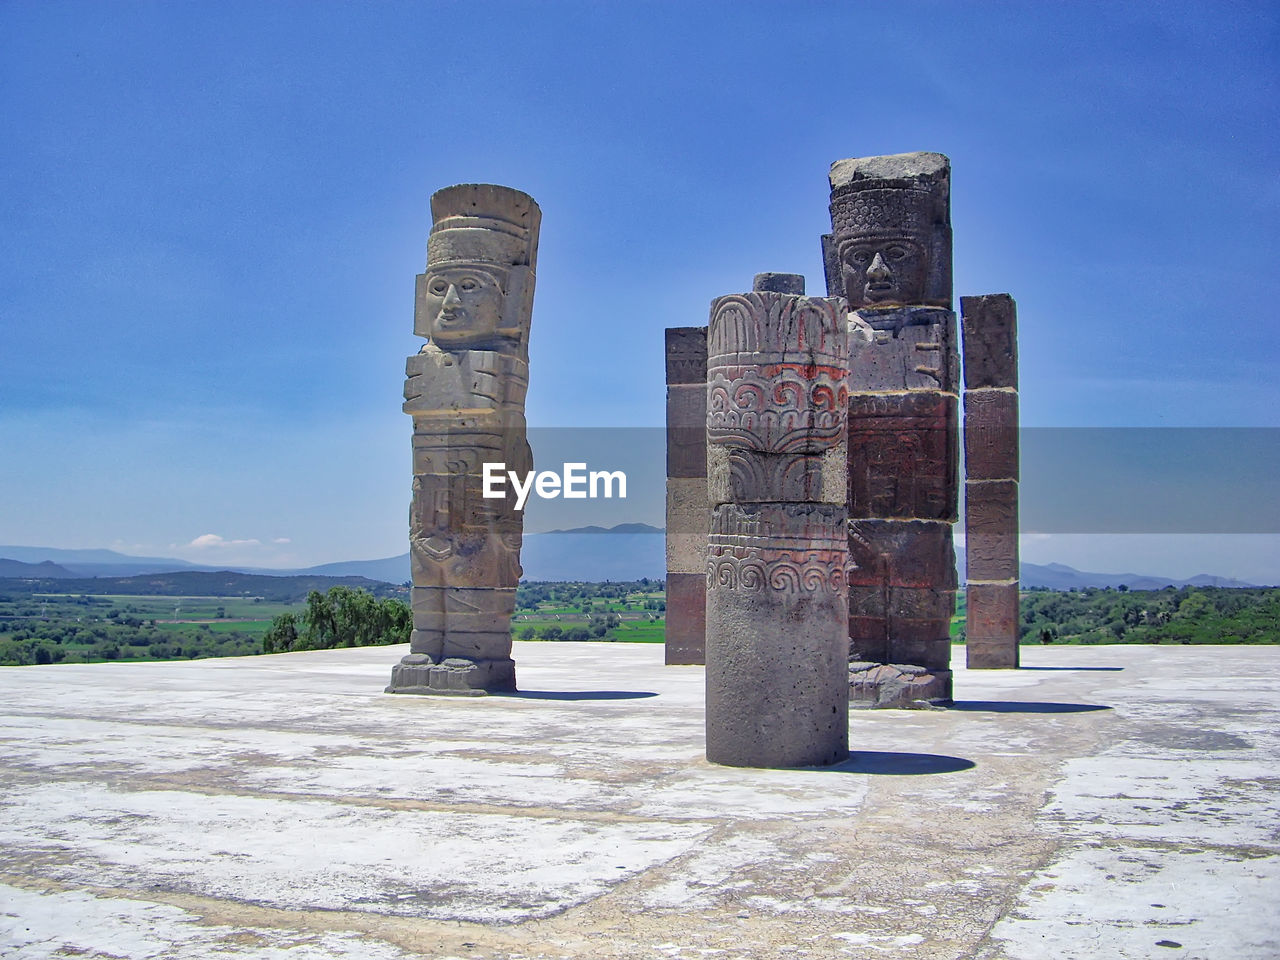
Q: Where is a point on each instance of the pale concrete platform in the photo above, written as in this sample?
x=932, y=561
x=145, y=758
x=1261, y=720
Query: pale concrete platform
x=1109, y=802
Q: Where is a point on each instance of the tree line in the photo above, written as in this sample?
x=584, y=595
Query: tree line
x=342, y=617
x=1172, y=615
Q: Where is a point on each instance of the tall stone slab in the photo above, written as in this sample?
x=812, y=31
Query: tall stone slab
x=889, y=256
x=465, y=390
x=777, y=602
x=989, y=325
x=688, y=513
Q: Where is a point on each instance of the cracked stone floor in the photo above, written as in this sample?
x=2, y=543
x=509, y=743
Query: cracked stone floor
x=1109, y=802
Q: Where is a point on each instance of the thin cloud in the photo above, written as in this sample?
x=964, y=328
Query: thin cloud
x=208, y=541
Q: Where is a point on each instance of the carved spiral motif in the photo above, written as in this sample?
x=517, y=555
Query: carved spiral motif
x=789, y=574
x=778, y=410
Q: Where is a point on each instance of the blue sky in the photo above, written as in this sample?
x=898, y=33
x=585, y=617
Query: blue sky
x=214, y=214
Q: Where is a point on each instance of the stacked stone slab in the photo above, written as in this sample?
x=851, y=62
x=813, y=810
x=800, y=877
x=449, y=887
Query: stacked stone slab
x=989, y=325
x=466, y=392
x=776, y=607
x=889, y=255
x=688, y=515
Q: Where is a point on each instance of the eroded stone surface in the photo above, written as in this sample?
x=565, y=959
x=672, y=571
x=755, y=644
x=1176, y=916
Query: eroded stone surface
x=688, y=509
x=991, y=530
x=991, y=480
x=897, y=685
x=990, y=341
x=1090, y=806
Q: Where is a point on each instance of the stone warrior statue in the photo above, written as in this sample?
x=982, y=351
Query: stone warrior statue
x=889, y=255
x=466, y=391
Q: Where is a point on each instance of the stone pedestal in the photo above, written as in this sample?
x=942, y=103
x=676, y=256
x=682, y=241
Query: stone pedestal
x=466, y=391
x=992, y=626
x=688, y=513
x=777, y=602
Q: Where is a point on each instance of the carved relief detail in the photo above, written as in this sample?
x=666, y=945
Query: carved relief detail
x=686, y=349
x=813, y=572
x=776, y=372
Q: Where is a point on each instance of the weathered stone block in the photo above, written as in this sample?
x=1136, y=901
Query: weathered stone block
x=991, y=655
x=686, y=632
x=901, y=625
x=991, y=435
x=899, y=686
x=992, y=625
x=452, y=608
x=990, y=325
x=688, y=520
x=792, y=283
x=901, y=553
x=933, y=654
x=777, y=609
x=991, y=530
x=903, y=348
x=687, y=430
x=934, y=604
x=686, y=351
x=736, y=475
x=903, y=456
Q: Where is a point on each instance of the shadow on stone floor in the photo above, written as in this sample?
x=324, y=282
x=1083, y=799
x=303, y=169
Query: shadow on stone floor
x=1024, y=706
x=578, y=694
x=900, y=764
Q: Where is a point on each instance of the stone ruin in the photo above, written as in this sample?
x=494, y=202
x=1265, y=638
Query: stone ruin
x=812, y=468
x=889, y=256
x=465, y=390
x=887, y=263
x=990, y=334
x=777, y=402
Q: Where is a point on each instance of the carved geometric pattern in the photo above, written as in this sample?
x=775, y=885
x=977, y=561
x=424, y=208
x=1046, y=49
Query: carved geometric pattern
x=686, y=351
x=776, y=372
x=778, y=548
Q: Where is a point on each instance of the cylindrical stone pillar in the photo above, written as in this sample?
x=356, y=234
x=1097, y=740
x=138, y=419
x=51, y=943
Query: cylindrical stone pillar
x=777, y=604
x=989, y=325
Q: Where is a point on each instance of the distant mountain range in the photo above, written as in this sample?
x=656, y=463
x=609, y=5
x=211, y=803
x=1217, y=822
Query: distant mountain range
x=631, y=551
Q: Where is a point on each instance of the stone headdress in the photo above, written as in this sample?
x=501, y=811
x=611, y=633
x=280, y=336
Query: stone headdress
x=495, y=229
x=903, y=195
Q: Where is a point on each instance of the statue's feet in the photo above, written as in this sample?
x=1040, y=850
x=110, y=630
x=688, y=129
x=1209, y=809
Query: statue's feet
x=452, y=677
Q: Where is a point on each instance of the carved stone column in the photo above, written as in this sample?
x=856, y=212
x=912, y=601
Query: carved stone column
x=466, y=391
x=777, y=694
x=688, y=514
x=889, y=255
x=991, y=480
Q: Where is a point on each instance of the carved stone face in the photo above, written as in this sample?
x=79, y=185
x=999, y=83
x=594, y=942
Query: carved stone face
x=464, y=304
x=883, y=270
